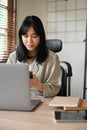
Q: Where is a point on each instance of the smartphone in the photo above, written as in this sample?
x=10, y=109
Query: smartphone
x=69, y=116
x=31, y=74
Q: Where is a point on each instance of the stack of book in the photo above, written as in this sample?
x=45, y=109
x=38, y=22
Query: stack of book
x=68, y=103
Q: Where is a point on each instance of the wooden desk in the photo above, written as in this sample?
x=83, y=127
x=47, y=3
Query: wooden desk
x=40, y=118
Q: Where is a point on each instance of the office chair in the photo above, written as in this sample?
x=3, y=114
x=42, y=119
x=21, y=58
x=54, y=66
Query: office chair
x=55, y=45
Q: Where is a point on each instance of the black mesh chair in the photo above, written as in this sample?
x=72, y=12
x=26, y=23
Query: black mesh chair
x=55, y=45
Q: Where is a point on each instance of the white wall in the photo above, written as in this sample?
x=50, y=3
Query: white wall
x=73, y=52
x=31, y=7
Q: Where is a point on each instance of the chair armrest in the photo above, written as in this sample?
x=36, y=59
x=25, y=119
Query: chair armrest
x=68, y=70
x=67, y=66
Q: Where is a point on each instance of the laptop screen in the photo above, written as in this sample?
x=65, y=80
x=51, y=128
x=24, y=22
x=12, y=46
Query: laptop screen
x=14, y=87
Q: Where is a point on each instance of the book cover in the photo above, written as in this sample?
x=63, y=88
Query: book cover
x=62, y=101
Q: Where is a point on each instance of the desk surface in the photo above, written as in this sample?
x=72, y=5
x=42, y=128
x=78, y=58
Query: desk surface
x=40, y=118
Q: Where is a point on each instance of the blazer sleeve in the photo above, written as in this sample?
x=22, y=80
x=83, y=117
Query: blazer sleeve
x=52, y=81
x=12, y=58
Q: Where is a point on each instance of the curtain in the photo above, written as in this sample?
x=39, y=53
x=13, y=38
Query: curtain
x=7, y=28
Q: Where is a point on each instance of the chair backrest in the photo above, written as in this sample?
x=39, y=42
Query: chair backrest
x=55, y=45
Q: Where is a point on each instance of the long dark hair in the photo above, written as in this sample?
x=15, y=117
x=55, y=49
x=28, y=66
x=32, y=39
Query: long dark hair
x=42, y=52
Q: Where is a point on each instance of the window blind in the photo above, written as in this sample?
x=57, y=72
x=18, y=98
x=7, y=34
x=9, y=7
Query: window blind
x=7, y=28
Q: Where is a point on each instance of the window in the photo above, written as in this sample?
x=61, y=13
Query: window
x=7, y=28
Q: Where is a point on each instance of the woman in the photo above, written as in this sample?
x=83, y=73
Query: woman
x=43, y=63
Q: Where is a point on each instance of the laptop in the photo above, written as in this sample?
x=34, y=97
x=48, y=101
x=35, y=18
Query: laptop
x=15, y=88
x=70, y=116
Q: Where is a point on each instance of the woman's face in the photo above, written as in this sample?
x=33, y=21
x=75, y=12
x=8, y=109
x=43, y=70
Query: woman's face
x=31, y=40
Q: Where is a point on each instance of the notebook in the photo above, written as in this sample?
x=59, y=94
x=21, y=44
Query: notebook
x=61, y=101
x=15, y=88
